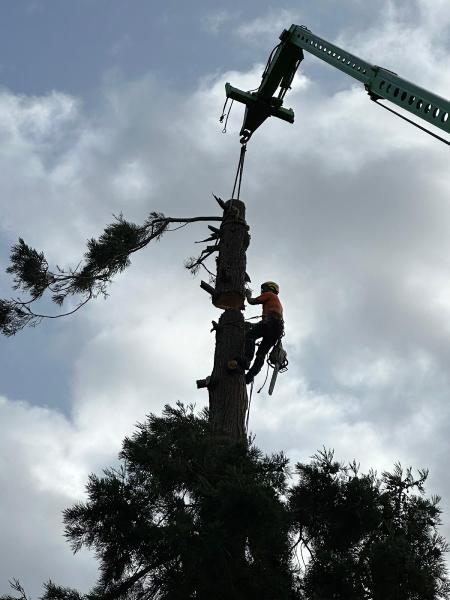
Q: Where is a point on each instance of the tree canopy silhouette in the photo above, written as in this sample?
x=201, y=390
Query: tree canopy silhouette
x=368, y=536
x=187, y=514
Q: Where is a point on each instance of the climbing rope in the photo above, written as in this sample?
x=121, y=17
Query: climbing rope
x=248, y=408
x=239, y=172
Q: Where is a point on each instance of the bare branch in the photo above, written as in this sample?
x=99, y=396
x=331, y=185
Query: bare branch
x=208, y=288
x=219, y=201
x=211, y=238
x=186, y=220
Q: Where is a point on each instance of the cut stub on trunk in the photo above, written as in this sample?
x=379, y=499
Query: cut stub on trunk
x=228, y=300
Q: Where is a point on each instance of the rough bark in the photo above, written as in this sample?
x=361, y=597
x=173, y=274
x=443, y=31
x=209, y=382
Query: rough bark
x=227, y=388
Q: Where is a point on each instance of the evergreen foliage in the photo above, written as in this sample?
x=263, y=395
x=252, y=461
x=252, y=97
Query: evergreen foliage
x=190, y=515
x=103, y=259
x=368, y=537
x=187, y=516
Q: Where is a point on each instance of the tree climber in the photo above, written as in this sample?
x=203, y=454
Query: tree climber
x=270, y=328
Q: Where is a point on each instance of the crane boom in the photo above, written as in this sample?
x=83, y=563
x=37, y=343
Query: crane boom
x=380, y=83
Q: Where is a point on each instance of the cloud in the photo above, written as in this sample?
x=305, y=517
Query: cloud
x=42, y=471
x=121, y=45
x=348, y=212
x=267, y=27
x=214, y=22
x=384, y=43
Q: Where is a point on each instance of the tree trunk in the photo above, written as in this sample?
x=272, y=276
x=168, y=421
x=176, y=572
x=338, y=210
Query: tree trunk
x=227, y=388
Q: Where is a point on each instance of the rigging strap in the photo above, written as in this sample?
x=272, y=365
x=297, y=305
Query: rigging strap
x=240, y=170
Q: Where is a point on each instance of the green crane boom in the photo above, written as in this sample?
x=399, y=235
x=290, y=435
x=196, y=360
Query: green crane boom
x=380, y=83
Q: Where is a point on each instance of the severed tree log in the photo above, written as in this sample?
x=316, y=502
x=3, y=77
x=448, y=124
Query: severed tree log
x=231, y=261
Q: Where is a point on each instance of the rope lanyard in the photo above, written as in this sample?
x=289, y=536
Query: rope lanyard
x=248, y=408
x=240, y=170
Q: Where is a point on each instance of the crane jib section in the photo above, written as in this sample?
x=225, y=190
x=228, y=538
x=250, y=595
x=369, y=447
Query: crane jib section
x=380, y=83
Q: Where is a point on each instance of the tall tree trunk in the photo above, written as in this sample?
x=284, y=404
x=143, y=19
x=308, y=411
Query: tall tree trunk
x=227, y=388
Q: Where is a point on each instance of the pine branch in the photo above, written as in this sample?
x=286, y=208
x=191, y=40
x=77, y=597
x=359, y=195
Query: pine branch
x=193, y=264
x=104, y=258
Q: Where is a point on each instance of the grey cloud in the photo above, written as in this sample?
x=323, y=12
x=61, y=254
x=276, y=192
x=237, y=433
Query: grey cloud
x=38, y=479
x=348, y=211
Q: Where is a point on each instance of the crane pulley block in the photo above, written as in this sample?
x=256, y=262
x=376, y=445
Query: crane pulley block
x=257, y=110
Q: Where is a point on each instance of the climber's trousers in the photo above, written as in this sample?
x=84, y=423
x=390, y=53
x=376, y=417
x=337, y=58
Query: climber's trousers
x=270, y=330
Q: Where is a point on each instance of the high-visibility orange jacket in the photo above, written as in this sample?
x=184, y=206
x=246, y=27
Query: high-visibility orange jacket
x=271, y=305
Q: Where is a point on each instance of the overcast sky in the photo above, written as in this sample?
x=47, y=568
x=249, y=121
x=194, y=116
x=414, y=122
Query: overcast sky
x=108, y=106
